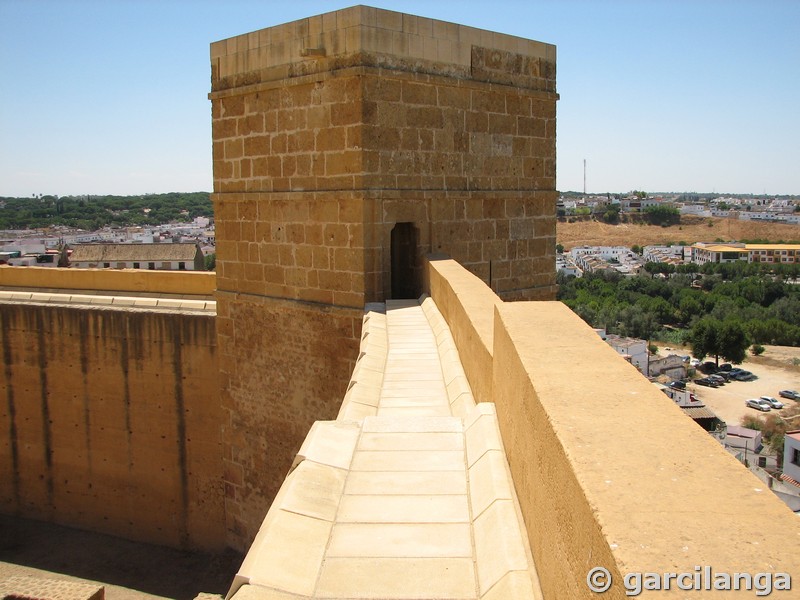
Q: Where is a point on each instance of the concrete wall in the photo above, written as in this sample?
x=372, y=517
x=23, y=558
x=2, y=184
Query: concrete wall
x=110, y=421
x=468, y=307
x=605, y=465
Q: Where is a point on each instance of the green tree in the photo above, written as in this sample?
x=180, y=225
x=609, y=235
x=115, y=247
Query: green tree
x=611, y=215
x=725, y=339
x=211, y=261
x=662, y=215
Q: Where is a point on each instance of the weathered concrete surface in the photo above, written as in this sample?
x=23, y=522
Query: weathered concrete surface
x=468, y=308
x=180, y=283
x=110, y=421
x=608, y=471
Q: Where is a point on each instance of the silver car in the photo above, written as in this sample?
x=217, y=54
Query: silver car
x=758, y=404
x=773, y=402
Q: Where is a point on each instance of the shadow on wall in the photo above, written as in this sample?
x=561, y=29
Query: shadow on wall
x=112, y=561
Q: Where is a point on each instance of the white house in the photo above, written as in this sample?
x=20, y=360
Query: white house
x=791, y=456
x=170, y=257
x=673, y=366
x=744, y=437
x=698, y=210
x=635, y=351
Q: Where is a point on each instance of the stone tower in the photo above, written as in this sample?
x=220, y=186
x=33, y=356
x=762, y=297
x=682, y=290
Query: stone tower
x=347, y=146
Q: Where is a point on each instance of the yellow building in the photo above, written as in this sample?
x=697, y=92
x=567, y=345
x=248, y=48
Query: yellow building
x=703, y=253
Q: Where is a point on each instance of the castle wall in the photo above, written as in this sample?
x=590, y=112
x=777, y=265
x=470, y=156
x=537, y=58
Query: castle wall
x=330, y=133
x=110, y=422
x=184, y=283
x=470, y=163
x=604, y=473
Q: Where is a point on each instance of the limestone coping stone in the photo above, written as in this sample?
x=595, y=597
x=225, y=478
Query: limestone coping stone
x=458, y=388
x=364, y=389
x=109, y=301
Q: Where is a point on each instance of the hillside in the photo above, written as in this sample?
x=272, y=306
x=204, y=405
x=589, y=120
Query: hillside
x=94, y=212
x=691, y=229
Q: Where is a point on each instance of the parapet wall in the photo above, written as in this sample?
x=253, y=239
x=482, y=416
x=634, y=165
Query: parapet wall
x=110, y=419
x=609, y=472
x=118, y=280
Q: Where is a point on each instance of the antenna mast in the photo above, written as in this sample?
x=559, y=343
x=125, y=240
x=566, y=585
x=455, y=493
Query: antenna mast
x=584, y=176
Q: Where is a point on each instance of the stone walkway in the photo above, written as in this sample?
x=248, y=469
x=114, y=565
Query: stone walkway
x=413, y=383
x=406, y=495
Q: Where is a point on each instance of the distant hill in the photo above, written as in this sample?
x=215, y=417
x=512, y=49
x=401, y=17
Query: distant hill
x=94, y=212
x=690, y=230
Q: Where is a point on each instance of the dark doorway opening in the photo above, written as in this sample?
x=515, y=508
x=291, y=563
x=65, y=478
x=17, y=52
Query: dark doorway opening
x=405, y=271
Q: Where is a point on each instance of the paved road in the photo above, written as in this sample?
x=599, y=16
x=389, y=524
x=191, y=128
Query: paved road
x=129, y=570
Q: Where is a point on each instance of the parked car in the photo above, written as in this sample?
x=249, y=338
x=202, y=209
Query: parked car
x=773, y=402
x=718, y=379
x=708, y=367
x=758, y=404
x=707, y=382
x=744, y=376
x=694, y=362
x=677, y=385
x=734, y=372
x=790, y=394
x=726, y=367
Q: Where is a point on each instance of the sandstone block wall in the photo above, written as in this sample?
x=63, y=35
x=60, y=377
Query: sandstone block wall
x=282, y=363
x=111, y=422
x=449, y=127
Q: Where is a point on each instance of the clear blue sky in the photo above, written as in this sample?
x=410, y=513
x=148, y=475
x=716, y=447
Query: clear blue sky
x=110, y=96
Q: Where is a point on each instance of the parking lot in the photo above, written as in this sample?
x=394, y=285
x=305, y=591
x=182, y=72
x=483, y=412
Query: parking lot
x=728, y=401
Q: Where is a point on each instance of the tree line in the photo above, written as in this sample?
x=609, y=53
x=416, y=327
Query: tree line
x=710, y=307
x=95, y=212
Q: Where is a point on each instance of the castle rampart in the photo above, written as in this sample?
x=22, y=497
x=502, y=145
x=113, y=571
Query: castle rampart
x=346, y=147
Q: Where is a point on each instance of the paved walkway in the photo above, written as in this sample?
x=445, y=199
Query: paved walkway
x=413, y=499
x=413, y=383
